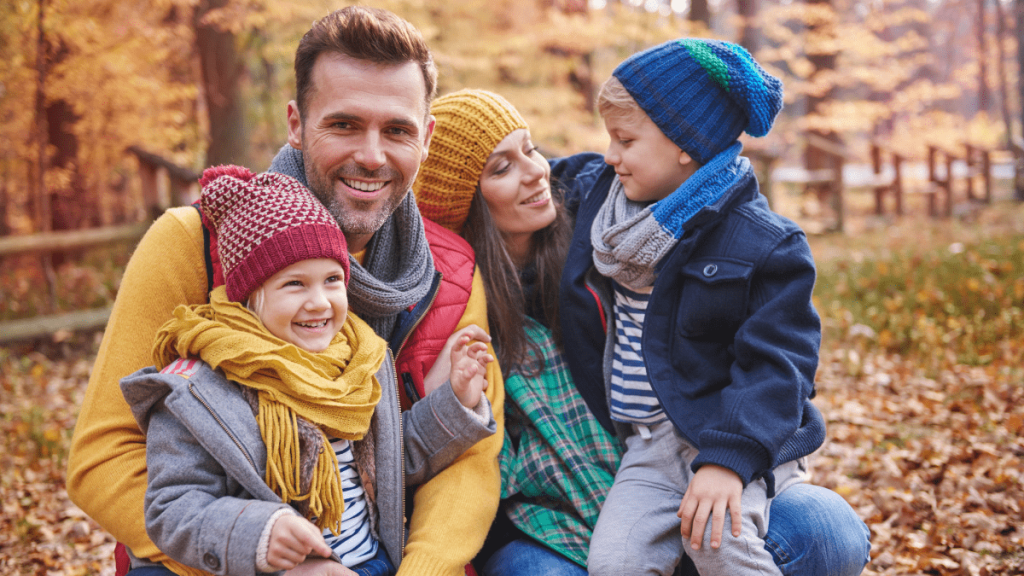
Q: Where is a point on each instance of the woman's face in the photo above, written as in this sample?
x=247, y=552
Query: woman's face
x=516, y=186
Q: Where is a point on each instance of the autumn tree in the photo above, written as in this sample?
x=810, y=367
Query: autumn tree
x=1019, y=147
x=222, y=69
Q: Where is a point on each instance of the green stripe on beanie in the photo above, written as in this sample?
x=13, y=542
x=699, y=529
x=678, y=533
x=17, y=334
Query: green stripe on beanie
x=712, y=64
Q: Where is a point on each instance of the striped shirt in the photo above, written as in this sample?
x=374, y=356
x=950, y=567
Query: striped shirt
x=632, y=399
x=356, y=543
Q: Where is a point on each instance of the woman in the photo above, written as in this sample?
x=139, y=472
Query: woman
x=485, y=180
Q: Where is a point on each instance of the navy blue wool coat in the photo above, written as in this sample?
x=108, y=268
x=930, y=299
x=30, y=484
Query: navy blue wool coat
x=731, y=337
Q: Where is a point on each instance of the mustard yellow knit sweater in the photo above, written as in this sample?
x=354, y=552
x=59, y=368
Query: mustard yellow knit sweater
x=107, y=465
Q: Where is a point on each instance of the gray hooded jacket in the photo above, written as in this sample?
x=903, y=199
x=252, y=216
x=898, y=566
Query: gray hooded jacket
x=207, y=502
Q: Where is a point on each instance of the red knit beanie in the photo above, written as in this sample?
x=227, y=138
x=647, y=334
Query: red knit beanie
x=265, y=223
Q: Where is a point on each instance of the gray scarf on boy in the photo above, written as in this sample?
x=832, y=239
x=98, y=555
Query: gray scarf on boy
x=630, y=238
x=398, y=268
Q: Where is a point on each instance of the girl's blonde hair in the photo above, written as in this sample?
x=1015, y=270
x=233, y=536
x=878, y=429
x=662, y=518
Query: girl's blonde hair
x=256, y=301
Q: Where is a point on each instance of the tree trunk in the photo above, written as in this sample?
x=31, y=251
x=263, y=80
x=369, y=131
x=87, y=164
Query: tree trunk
x=750, y=33
x=1004, y=89
x=222, y=69
x=823, y=58
x=1019, y=179
x=983, y=95
x=41, y=204
x=42, y=199
x=700, y=12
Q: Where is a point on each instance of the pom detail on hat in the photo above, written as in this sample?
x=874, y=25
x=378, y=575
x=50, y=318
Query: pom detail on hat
x=265, y=223
x=470, y=124
x=214, y=172
x=702, y=93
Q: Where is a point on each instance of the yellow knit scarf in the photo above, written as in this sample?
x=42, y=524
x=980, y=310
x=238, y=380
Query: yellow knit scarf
x=336, y=389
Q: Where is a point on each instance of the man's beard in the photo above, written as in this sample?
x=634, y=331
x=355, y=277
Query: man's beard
x=360, y=217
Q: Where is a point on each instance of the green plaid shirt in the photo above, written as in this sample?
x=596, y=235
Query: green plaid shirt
x=557, y=463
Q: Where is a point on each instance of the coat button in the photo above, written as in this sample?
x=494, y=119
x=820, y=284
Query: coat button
x=211, y=560
x=710, y=270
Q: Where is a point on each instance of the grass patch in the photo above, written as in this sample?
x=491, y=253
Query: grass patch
x=965, y=299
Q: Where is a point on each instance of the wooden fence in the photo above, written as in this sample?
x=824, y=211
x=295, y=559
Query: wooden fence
x=887, y=179
x=163, y=184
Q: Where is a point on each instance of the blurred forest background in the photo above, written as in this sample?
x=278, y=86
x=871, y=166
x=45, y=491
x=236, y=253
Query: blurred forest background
x=110, y=109
x=87, y=86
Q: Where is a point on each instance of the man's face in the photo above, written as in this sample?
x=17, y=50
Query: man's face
x=364, y=133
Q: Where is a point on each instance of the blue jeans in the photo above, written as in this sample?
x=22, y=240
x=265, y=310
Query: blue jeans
x=524, y=556
x=379, y=565
x=812, y=531
x=151, y=571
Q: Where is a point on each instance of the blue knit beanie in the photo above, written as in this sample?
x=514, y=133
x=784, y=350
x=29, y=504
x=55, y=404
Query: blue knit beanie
x=702, y=93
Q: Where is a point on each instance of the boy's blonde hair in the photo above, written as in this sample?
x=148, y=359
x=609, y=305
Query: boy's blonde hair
x=614, y=100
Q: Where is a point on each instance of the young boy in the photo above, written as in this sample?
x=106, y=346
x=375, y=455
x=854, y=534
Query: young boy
x=712, y=339
x=260, y=392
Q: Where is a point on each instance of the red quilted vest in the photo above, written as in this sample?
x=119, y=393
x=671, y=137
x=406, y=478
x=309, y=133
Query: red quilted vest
x=455, y=260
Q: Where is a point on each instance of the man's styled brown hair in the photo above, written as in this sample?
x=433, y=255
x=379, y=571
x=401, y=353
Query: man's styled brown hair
x=363, y=33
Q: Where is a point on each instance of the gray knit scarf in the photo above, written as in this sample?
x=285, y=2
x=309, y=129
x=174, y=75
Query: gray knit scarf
x=630, y=238
x=398, y=268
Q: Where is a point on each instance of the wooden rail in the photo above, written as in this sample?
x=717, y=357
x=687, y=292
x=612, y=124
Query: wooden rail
x=70, y=239
x=941, y=193
x=885, y=186
x=39, y=326
x=827, y=183
x=163, y=184
x=31, y=328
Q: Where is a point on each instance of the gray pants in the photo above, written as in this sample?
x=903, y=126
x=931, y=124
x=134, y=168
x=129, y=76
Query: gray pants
x=638, y=530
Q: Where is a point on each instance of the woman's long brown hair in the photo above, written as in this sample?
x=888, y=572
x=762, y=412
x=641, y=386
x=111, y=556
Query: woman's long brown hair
x=506, y=299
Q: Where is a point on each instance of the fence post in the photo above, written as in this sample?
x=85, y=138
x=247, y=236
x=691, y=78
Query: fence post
x=897, y=182
x=969, y=161
x=876, y=168
x=932, y=177
x=838, y=191
x=986, y=166
x=949, y=185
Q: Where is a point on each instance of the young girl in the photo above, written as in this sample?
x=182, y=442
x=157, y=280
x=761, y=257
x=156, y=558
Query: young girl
x=256, y=397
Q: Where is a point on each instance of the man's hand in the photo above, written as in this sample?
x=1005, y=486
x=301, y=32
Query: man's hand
x=318, y=567
x=712, y=490
x=292, y=538
x=441, y=371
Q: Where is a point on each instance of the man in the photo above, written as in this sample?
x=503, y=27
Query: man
x=358, y=129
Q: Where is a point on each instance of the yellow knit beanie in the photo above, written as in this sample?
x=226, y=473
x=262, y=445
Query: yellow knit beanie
x=470, y=123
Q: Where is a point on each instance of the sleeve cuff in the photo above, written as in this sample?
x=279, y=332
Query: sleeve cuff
x=263, y=547
x=482, y=412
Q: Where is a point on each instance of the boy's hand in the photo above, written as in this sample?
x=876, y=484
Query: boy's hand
x=469, y=370
x=292, y=538
x=712, y=490
x=441, y=370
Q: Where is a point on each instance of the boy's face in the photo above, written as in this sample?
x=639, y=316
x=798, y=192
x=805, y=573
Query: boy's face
x=306, y=303
x=649, y=165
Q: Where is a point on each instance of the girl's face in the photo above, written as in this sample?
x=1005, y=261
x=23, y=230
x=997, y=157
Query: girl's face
x=516, y=186
x=304, y=304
